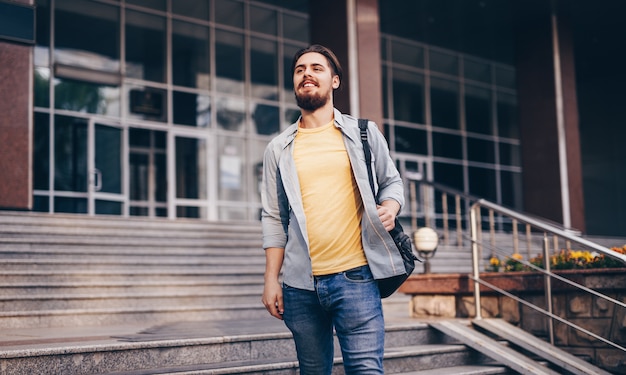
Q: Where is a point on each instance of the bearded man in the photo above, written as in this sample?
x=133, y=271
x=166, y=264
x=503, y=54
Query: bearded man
x=322, y=228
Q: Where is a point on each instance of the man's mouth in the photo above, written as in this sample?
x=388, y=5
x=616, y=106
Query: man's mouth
x=308, y=84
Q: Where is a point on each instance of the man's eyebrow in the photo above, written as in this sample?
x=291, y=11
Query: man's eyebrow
x=313, y=64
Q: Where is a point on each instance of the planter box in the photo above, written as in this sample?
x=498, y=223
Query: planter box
x=452, y=296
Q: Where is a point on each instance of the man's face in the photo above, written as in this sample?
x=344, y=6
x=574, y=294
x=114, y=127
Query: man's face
x=313, y=81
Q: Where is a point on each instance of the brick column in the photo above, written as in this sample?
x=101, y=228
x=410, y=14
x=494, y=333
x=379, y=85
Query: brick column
x=329, y=27
x=15, y=126
x=538, y=114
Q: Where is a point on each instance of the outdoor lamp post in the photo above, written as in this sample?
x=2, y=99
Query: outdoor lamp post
x=426, y=240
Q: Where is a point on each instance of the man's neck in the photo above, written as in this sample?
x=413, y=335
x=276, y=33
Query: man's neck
x=317, y=118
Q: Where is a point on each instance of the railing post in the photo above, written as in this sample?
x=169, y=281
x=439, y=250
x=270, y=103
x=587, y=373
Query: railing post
x=547, y=279
x=475, y=263
x=459, y=225
x=444, y=208
x=413, y=194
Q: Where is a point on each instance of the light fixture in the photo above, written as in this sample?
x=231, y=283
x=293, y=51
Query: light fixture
x=426, y=240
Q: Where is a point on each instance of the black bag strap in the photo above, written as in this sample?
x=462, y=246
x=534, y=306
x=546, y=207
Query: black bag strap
x=368, y=153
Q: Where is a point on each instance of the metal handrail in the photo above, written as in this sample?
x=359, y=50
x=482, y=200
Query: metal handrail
x=532, y=223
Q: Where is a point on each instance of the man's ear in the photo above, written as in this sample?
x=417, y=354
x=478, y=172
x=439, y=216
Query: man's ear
x=336, y=82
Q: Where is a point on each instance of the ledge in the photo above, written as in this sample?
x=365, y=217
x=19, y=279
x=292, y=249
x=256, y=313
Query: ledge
x=461, y=284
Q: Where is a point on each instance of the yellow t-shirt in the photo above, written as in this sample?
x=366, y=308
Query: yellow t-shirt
x=332, y=204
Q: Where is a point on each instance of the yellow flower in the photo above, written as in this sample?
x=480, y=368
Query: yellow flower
x=494, y=261
x=517, y=256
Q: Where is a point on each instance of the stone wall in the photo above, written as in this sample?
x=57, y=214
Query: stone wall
x=452, y=296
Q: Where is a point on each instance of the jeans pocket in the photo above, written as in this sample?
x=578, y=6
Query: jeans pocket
x=359, y=275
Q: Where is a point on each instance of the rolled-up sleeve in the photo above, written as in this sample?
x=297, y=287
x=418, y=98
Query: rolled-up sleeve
x=273, y=215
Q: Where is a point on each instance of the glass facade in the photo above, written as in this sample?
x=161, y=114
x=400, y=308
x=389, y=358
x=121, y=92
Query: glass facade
x=160, y=108
x=163, y=108
x=455, y=115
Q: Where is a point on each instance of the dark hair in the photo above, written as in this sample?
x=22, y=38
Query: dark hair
x=330, y=56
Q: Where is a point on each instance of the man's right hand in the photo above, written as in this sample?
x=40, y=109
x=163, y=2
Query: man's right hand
x=273, y=298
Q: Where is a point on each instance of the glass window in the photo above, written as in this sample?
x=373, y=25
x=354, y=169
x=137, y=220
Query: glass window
x=190, y=212
x=139, y=179
x=505, y=77
x=41, y=89
x=447, y=145
x=229, y=62
x=266, y=119
x=476, y=70
x=255, y=169
x=70, y=205
x=511, y=183
x=108, y=154
x=480, y=150
x=291, y=116
x=108, y=207
x=510, y=154
x=41, y=203
x=41, y=152
x=449, y=174
x=507, y=116
x=231, y=114
x=191, y=8
x=289, y=53
x=229, y=12
x=482, y=183
x=443, y=62
x=295, y=28
x=87, y=34
x=139, y=137
x=86, y=97
x=408, y=96
x=42, y=28
x=478, y=110
x=145, y=46
x=263, y=20
x=190, y=55
x=70, y=154
x=411, y=140
x=444, y=98
x=264, y=69
x=231, y=158
x=192, y=109
x=191, y=168
x=404, y=53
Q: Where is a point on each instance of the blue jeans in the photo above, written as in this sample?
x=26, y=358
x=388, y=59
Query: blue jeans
x=348, y=301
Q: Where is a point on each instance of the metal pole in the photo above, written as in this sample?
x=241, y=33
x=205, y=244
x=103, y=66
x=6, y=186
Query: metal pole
x=548, y=285
x=475, y=266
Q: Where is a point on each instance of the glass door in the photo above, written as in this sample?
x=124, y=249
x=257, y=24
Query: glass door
x=147, y=172
x=106, y=150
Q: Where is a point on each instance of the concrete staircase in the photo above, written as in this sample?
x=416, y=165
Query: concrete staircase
x=98, y=295
x=75, y=270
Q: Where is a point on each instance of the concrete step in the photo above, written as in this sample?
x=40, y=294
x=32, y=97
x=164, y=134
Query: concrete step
x=128, y=262
x=49, y=301
x=248, y=346
x=129, y=315
x=164, y=274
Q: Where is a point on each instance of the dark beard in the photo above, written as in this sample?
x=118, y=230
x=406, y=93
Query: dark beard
x=311, y=102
